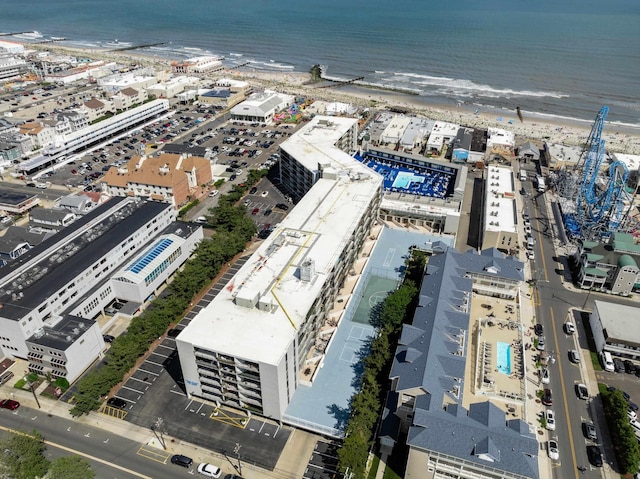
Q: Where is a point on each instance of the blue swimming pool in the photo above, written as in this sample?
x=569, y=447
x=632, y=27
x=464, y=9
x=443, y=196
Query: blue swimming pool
x=504, y=358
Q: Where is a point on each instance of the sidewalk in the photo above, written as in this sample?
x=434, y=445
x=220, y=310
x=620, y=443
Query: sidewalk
x=291, y=465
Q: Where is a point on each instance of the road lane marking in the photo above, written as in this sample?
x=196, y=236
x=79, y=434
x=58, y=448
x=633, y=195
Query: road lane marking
x=564, y=394
x=88, y=456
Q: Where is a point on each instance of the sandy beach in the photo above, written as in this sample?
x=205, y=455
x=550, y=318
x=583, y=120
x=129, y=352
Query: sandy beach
x=618, y=138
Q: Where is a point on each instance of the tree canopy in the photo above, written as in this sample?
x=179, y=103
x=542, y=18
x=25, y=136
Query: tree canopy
x=23, y=456
x=70, y=467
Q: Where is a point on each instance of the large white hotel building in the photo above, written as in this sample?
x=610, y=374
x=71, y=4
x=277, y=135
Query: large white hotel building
x=247, y=348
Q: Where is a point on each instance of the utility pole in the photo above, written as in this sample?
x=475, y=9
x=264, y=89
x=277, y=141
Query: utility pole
x=158, y=427
x=33, y=391
x=237, y=451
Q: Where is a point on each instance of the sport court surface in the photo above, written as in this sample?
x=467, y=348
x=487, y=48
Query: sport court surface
x=325, y=404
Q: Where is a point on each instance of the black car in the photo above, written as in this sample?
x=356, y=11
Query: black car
x=268, y=212
x=173, y=332
x=117, y=403
x=589, y=431
x=181, y=460
x=108, y=338
x=629, y=367
x=282, y=206
x=546, y=397
x=538, y=329
x=594, y=455
x=253, y=191
x=618, y=364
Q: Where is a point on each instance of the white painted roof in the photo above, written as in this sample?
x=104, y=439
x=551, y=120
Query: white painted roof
x=500, y=199
x=317, y=229
x=619, y=320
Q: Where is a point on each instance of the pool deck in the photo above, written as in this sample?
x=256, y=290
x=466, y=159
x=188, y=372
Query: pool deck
x=494, y=320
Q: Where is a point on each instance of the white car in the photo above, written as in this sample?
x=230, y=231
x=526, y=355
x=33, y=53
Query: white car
x=544, y=376
x=531, y=255
x=550, y=420
x=264, y=193
x=214, y=193
x=552, y=450
x=632, y=415
x=209, y=470
x=569, y=328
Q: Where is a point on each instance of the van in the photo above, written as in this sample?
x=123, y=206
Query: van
x=607, y=361
x=201, y=220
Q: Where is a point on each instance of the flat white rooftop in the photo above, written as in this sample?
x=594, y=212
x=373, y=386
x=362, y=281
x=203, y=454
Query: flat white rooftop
x=620, y=321
x=315, y=144
x=257, y=315
x=500, y=200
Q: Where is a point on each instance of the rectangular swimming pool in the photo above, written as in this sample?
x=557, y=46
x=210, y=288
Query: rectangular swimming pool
x=503, y=358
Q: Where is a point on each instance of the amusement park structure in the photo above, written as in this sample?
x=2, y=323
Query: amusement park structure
x=595, y=202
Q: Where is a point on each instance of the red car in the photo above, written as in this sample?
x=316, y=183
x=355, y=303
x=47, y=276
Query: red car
x=9, y=404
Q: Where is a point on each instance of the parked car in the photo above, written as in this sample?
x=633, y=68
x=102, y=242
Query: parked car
x=107, y=338
x=253, y=191
x=540, y=344
x=589, y=431
x=209, y=470
x=9, y=404
x=544, y=376
x=552, y=450
x=547, y=399
x=214, y=193
x=569, y=328
x=618, y=365
x=282, y=206
x=538, y=329
x=582, y=392
x=550, y=419
x=117, y=403
x=264, y=193
x=181, y=460
x=629, y=367
x=594, y=455
x=574, y=356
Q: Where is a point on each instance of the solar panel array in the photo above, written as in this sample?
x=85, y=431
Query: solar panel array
x=152, y=254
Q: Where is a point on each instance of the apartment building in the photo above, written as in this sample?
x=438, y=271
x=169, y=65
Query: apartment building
x=428, y=376
x=169, y=177
x=247, y=348
x=72, y=272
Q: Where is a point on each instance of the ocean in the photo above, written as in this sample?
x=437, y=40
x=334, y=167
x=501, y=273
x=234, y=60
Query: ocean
x=557, y=58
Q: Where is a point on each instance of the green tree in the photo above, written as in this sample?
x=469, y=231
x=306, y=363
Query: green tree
x=71, y=467
x=23, y=458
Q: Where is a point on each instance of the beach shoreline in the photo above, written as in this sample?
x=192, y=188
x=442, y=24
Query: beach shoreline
x=534, y=127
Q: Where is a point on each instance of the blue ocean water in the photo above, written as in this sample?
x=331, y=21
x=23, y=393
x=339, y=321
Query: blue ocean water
x=564, y=58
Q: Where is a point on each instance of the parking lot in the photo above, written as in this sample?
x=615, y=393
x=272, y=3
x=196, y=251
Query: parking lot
x=156, y=390
x=323, y=463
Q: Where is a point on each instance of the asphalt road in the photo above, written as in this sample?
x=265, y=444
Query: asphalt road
x=556, y=304
x=111, y=456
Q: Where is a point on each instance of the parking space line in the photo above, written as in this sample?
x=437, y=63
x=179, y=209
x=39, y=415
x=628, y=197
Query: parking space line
x=178, y=392
x=141, y=380
x=155, y=364
x=161, y=355
x=167, y=347
x=131, y=389
x=145, y=371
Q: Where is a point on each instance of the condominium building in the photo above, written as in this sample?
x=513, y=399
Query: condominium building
x=168, y=177
x=54, y=278
x=425, y=404
x=247, y=348
x=11, y=67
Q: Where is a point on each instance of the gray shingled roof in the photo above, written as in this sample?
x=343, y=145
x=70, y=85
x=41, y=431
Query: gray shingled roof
x=430, y=357
x=49, y=216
